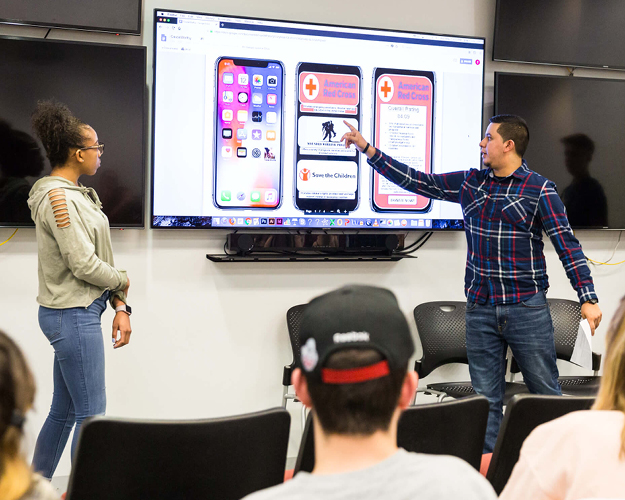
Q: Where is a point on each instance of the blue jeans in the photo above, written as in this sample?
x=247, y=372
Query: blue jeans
x=527, y=328
x=79, y=390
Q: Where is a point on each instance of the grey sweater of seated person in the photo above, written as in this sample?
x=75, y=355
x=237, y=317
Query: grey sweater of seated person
x=74, y=242
x=402, y=476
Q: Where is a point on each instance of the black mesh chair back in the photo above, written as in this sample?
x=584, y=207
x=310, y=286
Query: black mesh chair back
x=454, y=428
x=523, y=414
x=293, y=321
x=566, y=315
x=225, y=458
x=442, y=331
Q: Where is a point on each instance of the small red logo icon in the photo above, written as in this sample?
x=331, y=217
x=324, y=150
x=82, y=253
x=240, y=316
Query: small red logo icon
x=304, y=174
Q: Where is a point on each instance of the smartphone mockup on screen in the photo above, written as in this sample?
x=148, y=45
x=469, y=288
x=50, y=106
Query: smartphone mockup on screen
x=326, y=173
x=248, y=133
x=403, y=124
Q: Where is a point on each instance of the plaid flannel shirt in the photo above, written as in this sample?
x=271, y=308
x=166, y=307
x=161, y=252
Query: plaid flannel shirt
x=504, y=220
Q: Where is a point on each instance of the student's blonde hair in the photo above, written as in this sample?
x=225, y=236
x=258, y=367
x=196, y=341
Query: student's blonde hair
x=17, y=393
x=612, y=391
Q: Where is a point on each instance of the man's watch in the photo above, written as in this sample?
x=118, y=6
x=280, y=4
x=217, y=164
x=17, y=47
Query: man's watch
x=124, y=308
x=592, y=301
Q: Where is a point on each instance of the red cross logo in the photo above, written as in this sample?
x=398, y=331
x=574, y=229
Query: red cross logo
x=311, y=87
x=386, y=89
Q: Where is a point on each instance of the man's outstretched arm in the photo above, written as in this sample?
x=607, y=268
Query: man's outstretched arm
x=438, y=186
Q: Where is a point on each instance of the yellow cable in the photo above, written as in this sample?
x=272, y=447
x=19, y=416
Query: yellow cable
x=614, y=251
x=605, y=263
x=9, y=237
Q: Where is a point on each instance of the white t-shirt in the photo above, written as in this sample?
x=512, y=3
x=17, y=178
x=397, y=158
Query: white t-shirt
x=402, y=476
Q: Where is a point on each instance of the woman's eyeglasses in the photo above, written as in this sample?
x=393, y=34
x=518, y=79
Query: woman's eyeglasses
x=99, y=147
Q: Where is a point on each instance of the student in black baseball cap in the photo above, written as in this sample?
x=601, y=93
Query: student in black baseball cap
x=352, y=373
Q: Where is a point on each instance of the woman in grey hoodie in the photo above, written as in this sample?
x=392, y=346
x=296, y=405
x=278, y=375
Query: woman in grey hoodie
x=77, y=277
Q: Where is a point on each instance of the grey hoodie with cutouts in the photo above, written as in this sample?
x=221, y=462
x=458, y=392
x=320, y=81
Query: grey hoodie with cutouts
x=74, y=241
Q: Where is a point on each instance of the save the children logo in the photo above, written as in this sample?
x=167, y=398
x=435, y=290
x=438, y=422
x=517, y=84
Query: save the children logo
x=386, y=89
x=304, y=174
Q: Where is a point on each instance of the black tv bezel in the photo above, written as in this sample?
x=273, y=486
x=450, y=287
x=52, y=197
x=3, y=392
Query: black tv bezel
x=77, y=27
x=569, y=64
x=497, y=74
x=279, y=229
x=142, y=48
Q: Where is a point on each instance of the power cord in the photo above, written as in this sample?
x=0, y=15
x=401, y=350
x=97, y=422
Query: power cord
x=7, y=240
x=413, y=247
x=607, y=262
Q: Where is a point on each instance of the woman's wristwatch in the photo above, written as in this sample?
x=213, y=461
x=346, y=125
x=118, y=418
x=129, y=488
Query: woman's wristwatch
x=124, y=308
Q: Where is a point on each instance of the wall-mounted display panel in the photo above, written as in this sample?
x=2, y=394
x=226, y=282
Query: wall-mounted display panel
x=249, y=113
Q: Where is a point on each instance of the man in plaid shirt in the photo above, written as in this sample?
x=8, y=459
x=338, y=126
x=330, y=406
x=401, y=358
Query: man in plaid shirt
x=506, y=208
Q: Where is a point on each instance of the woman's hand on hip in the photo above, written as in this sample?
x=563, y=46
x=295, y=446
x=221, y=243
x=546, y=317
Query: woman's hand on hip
x=121, y=324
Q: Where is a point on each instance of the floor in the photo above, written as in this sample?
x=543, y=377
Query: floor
x=60, y=484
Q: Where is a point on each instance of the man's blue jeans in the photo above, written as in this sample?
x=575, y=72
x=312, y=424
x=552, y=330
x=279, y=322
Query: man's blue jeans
x=527, y=328
x=79, y=390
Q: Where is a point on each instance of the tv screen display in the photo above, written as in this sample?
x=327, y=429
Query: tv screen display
x=113, y=16
x=249, y=113
x=104, y=86
x=564, y=32
x=576, y=141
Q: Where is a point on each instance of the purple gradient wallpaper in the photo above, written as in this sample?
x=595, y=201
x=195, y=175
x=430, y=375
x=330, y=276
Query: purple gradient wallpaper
x=248, y=133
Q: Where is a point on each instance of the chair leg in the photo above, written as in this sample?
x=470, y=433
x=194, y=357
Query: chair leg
x=285, y=390
x=303, y=417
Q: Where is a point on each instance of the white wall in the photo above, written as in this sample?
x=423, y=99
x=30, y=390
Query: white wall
x=210, y=339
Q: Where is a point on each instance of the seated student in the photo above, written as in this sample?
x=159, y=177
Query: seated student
x=582, y=454
x=17, y=393
x=356, y=345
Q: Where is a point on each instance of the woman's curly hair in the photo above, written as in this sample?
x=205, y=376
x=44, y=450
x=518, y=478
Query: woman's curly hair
x=58, y=129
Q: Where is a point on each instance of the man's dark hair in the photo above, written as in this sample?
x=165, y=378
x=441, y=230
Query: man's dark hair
x=356, y=409
x=58, y=129
x=513, y=127
x=580, y=142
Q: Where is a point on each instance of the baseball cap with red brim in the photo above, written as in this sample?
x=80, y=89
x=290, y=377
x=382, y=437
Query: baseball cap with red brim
x=353, y=317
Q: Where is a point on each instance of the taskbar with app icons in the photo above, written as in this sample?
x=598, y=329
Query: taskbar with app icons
x=328, y=222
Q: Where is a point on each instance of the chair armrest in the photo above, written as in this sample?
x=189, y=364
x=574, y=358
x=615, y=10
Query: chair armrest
x=286, y=375
x=514, y=366
x=417, y=367
x=596, y=361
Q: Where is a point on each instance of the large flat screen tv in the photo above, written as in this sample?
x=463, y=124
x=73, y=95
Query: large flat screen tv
x=576, y=127
x=113, y=16
x=249, y=113
x=104, y=86
x=563, y=32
